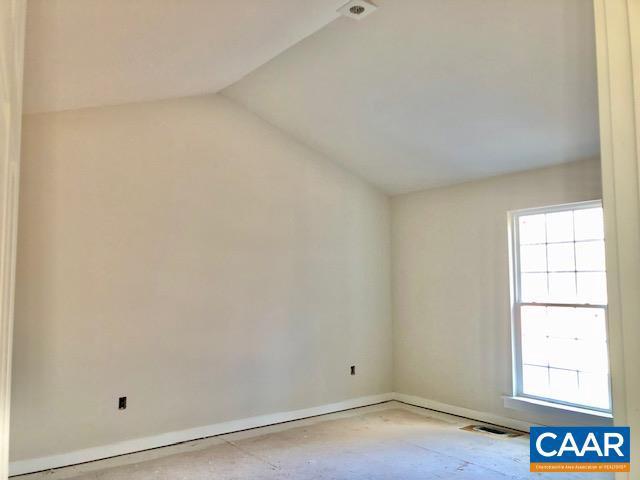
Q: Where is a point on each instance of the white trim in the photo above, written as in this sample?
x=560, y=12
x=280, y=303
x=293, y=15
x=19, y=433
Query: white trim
x=33, y=465
x=136, y=445
x=617, y=26
x=464, y=412
x=12, y=21
x=575, y=414
x=560, y=207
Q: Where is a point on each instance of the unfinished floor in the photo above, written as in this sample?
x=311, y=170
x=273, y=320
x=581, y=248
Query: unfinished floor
x=387, y=441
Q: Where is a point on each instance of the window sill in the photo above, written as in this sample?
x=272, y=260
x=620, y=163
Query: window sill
x=577, y=414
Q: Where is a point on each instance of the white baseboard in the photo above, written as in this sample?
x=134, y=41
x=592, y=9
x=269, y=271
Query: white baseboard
x=21, y=467
x=463, y=412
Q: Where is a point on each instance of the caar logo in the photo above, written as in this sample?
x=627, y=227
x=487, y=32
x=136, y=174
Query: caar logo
x=579, y=449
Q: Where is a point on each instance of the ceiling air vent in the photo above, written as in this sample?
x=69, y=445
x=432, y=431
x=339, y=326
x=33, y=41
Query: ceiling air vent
x=357, y=9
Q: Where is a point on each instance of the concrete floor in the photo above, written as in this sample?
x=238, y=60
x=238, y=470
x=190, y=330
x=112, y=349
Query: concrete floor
x=388, y=441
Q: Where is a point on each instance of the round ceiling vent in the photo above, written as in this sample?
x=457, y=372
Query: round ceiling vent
x=357, y=9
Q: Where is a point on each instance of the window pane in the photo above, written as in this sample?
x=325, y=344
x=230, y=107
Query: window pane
x=564, y=323
x=563, y=353
x=562, y=287
x=594, y=390
x=534, y=287
x=532, y=229
x=589, y=224
x=592, y=288
x=535, y=381
x=533, y=258
x=592, y=356
x=578, y=355
x=535, y=350
x=561, y=258
x=572, y=343
x=560, y=226
x=590, y=255
x=563, y=385
x=592, y=324
x=533, y=321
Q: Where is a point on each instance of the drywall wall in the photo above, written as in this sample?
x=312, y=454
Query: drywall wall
x=451, y=298
x=188, y=255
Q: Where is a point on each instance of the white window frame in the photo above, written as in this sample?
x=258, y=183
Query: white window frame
x=517, y=303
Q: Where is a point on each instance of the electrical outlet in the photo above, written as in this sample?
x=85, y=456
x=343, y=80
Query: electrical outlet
x=122, y=403
x=353, y=369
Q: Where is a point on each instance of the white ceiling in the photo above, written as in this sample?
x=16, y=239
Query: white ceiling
x=82, y=53
x=418, y=94
x=424, y=93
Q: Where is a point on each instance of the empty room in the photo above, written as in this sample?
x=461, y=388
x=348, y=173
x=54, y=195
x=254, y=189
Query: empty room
x=319, y=239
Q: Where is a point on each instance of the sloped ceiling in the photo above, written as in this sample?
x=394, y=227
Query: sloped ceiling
x=84, y=53
x=420, y=93
x=424, y=93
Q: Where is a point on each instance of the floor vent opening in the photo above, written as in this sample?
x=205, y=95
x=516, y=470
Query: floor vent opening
x=493, y=430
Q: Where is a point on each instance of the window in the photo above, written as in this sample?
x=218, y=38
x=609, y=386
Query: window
x=560, y=306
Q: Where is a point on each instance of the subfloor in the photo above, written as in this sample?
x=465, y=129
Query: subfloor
x=389, y=441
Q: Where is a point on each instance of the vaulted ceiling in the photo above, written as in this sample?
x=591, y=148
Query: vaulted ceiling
x=85, y=53
x=418, y=94
x=430, y=92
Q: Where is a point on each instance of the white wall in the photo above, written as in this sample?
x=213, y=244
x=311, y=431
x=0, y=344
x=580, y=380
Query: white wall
x=451, y=283
x=190, y=256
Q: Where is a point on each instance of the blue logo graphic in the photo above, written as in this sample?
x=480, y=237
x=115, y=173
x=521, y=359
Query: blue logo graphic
x=571, y=449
